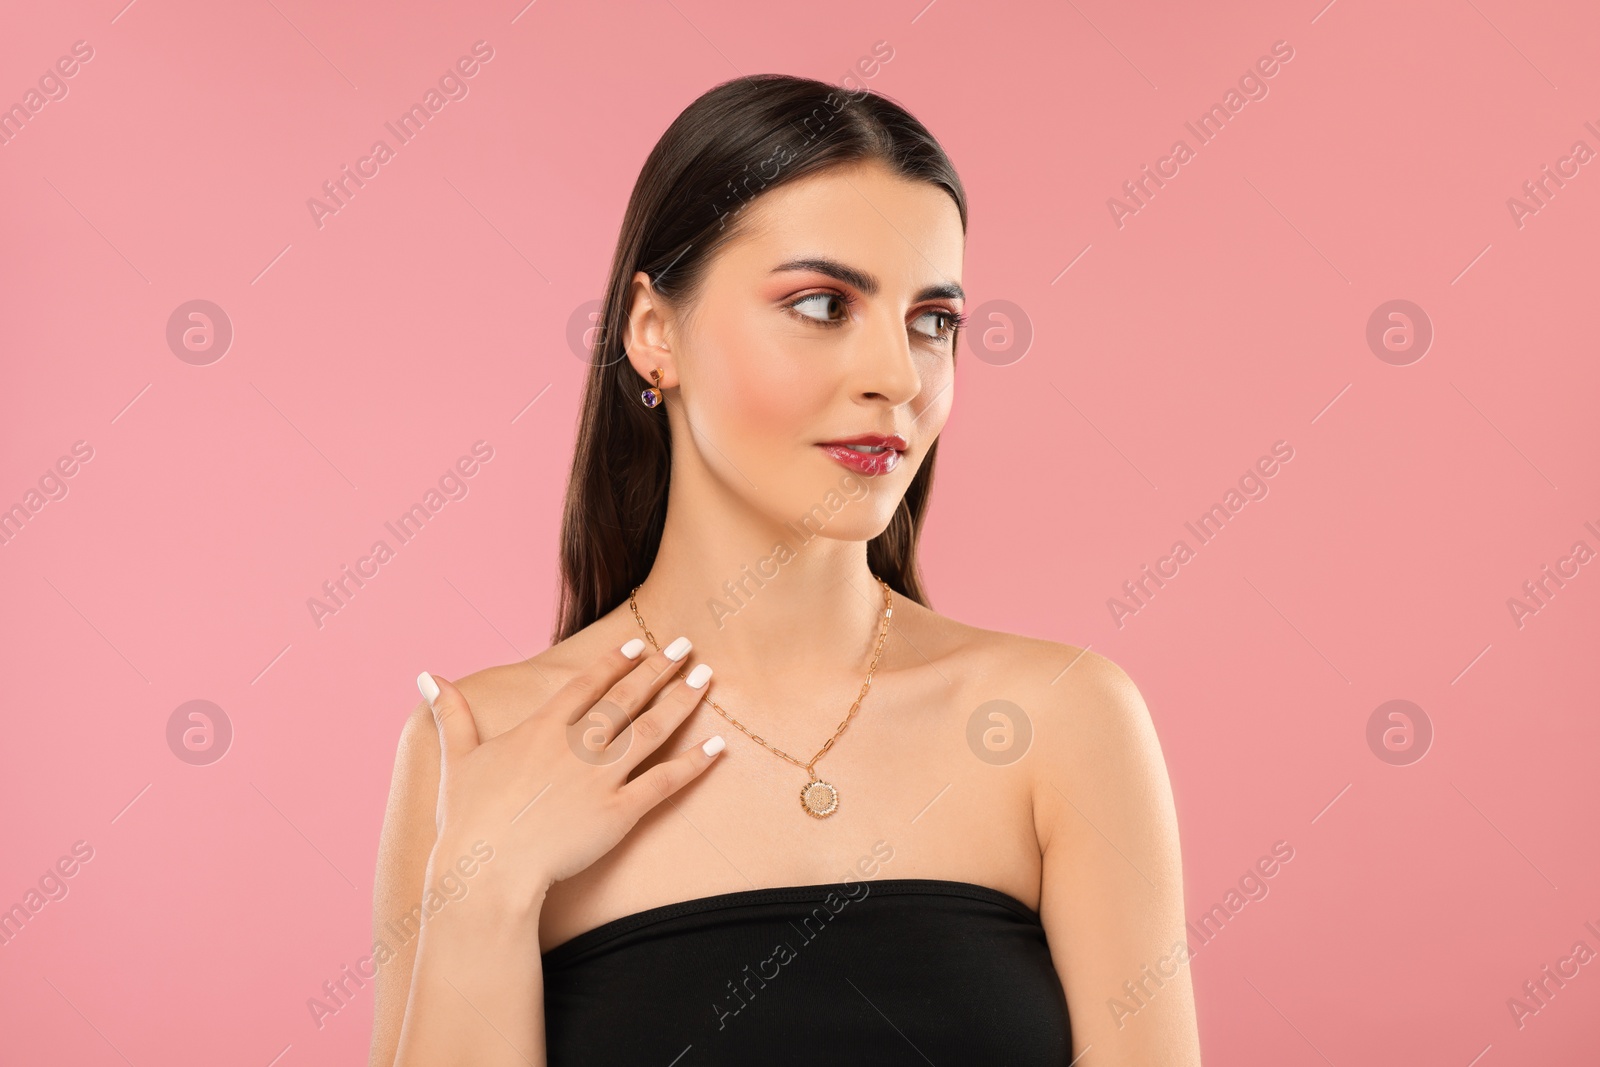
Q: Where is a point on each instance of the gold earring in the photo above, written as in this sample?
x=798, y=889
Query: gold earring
x=652, y=395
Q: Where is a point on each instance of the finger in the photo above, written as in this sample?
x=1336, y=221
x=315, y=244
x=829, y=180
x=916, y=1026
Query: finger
x=458, y=733
x=651, y=727
x=666, y=778
x=626, y=689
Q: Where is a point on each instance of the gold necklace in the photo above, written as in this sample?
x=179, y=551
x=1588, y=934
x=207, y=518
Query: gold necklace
x=817, y=798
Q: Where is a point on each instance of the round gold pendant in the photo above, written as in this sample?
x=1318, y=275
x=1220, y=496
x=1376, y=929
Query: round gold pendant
x=819, y=799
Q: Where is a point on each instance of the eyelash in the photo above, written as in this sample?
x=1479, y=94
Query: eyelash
x=956, y=321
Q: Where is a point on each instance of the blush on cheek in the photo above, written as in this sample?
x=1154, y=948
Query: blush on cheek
x=760, y=390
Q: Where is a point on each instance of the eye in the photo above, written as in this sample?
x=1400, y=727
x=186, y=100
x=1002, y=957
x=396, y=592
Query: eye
x=946, y=331
x=826, y=302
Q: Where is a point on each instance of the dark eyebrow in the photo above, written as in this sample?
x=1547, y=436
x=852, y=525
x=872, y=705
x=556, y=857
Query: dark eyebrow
x=865, y=282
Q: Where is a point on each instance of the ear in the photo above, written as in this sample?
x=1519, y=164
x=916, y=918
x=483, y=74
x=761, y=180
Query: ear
x=647, y=332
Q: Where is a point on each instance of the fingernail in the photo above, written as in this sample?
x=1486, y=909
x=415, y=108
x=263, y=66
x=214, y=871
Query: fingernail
x=698, y=676
x=428, y=687
x=677, y=650
x=713, y=746
x=633, y=648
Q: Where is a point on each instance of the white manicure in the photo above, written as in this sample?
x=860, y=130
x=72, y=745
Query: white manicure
x=698, y=676
x=633, y=648
x=428, y=687
x=677, y=650
x=713, y=746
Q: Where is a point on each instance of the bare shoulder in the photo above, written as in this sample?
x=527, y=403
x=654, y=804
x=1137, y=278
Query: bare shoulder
x=503, y=695
x=1067, y=685
x=1111, y=868
x=1083, y=707
x=499, y=696
x=1096, y=768
x=1091, y=741
x=1095, y=744
x=1084, y=701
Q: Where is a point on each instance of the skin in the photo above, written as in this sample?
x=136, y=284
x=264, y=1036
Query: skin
x=1082, y=827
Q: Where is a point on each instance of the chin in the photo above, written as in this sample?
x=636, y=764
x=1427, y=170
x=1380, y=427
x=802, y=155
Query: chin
x=845, y=507
x=863, y=528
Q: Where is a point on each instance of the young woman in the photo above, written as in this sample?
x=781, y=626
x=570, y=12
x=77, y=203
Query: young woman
x=924, y=842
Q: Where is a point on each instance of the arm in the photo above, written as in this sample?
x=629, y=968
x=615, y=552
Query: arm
x=462, y=967
x=1112, y=893
x=477, y=989
x=473, y=994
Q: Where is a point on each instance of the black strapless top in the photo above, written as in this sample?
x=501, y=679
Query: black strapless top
x=886, y=972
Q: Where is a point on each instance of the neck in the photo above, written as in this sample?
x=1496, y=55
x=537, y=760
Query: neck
x=764, y=602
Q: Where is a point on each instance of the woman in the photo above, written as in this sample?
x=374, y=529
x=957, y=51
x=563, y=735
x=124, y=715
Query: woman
x=923, y=840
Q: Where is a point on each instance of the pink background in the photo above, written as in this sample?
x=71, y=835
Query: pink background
x=1229, y=313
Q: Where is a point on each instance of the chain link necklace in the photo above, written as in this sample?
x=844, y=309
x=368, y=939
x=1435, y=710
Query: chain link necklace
x=818, y=799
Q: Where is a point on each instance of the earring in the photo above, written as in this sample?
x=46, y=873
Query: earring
x=652, y=395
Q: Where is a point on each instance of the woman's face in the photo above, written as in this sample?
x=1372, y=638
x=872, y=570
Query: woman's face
x=833, y=316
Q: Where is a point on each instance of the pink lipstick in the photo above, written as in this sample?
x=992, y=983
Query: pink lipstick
x=872, y=453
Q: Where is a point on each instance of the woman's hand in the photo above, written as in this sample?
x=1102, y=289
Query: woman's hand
x=551, y=795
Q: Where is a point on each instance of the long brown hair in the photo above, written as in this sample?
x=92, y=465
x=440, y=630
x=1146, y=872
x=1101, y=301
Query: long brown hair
x=738, y=140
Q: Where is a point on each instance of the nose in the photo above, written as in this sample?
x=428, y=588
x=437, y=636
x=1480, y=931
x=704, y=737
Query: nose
x=883, y=367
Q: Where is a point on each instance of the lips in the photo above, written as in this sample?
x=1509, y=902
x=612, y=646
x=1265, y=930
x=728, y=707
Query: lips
x=875, y=453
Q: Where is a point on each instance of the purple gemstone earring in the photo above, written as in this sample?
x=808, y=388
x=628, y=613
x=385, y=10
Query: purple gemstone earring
x=652, y=395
